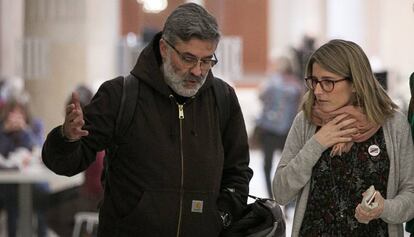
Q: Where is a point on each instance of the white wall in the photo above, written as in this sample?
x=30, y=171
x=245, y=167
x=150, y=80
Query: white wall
x=397, y=42
x=11, y=33
x=345, y=20
x=397, y=35
x=102, y=38
x=290, y=20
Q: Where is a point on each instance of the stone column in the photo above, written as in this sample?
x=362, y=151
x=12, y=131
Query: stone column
x=66, y=43
x=11, y=33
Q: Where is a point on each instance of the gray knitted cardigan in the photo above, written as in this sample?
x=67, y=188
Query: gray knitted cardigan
x=302, y=151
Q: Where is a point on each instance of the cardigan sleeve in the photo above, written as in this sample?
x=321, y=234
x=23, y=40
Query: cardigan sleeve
x=399, y=208
x=300, y=154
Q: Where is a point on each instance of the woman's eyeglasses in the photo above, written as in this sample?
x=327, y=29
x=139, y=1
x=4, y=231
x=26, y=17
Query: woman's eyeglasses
x=327, y=84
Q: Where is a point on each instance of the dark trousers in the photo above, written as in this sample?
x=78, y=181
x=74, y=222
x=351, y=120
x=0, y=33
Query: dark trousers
x=270, y=142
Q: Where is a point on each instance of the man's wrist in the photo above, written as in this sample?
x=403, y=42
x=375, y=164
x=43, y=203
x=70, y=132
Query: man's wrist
x=62, y=134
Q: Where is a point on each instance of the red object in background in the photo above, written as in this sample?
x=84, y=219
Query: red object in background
x=92, y=186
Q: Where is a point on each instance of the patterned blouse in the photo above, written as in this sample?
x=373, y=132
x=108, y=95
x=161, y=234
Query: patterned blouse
x=336, y=189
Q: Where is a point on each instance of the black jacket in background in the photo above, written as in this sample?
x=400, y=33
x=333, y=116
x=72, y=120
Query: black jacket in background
x=167, y=167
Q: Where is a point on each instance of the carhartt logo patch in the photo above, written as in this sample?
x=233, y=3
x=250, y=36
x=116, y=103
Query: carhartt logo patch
x=197, y=206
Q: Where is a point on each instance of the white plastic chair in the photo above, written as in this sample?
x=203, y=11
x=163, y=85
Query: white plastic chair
x=89, y=218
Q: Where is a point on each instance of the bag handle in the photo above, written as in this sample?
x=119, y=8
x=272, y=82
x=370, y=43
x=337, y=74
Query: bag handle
x=259, y=199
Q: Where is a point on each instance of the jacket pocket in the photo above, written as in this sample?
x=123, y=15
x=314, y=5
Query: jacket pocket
x=154, y=215
x=200, y=215
x=141, y=221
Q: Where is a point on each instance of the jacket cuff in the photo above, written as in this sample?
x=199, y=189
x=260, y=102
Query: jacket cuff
x=62, y=134
x=59, y=141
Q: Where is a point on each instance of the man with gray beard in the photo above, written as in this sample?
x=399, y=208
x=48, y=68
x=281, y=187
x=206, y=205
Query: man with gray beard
x=178, y=171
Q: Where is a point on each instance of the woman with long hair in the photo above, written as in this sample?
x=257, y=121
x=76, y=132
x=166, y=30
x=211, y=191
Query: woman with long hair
x=348, y=137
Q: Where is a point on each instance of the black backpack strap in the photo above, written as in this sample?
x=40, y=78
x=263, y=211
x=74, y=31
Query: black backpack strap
x=127, y=107
x=222, y=94
x=129, y=99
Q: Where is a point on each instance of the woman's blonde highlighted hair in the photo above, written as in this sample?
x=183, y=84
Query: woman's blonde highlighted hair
x=347, y=59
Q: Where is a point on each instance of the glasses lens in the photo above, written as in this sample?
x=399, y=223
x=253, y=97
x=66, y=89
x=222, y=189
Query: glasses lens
x=327, y=85
x=189, y=61
x=207, y=64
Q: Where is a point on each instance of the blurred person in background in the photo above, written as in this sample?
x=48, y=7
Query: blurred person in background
x=15, y=128
x=17, y=138
x=302, y=54
x=348, y=136
x=280, y=95
x=12, y=89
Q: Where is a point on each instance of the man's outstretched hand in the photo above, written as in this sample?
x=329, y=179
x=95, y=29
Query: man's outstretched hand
x=72, y=127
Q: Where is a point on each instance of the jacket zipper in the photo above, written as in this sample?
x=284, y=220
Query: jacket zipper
x=181, y=118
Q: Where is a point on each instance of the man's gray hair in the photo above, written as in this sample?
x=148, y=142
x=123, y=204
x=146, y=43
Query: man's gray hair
x=190, y=21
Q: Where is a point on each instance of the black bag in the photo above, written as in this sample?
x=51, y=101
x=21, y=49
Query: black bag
x=263, y=218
